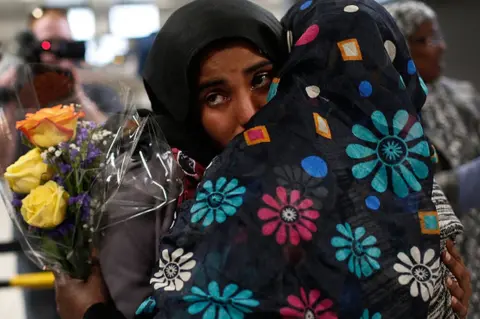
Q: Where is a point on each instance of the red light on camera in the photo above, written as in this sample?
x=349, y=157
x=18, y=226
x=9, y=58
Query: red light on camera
x=46, y=45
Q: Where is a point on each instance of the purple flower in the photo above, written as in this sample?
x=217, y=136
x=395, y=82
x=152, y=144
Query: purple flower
x=93, y=151
x=85, y=212
x=92, y=154
x=82, y=135
x=76, y=199
x=84, y=201
x=65, y=168
x=73, y=153
x=57, y=179
x=17, y=200
x=62, y=230
x=17, y=203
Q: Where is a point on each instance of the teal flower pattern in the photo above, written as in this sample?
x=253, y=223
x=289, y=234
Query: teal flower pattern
x=400, y=149
x=232, y=303
x=360, y=252
x=366, y=315
x=147, y=307
x=216, y=201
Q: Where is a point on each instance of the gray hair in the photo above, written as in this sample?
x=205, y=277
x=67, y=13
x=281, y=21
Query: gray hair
x=409, y=15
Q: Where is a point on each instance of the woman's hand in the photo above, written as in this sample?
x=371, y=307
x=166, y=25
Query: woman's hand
x=460, y=286
x=74, y=297
x=7, y=78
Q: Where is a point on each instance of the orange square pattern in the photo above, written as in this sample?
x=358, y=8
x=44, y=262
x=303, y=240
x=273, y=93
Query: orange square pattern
x=350, y=50
x=429, y=223
x=256, y=135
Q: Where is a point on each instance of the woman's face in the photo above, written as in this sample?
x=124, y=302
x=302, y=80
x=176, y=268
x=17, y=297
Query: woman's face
x=233, y=85
x=427, y=48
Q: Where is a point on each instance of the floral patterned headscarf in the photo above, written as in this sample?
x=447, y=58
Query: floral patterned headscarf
x=322, y=207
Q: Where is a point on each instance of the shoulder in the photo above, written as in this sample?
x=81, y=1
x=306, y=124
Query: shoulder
x=462, y=94
x=458, y=87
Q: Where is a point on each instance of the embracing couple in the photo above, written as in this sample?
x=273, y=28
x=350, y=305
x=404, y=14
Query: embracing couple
x=308, y=180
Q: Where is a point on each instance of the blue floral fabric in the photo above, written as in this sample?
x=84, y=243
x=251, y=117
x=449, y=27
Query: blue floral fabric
x=360, y=251
x=231, y=303
x=217, y=200
x=395, y=150
x=322, y=207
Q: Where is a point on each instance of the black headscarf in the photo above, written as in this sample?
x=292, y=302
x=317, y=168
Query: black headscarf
x=167, y=73
x=324, y=211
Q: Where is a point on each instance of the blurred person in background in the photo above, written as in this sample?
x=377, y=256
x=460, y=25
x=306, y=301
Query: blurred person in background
x=6, y=60
x=97, y=102
x=204, y=87
x=7, y=109
x=451, y=120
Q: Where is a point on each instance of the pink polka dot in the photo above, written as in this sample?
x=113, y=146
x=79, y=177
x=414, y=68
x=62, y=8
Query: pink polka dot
x=309, y=35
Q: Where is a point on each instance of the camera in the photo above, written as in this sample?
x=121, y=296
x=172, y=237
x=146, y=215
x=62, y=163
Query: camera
x=39, y=84
x=29, y=48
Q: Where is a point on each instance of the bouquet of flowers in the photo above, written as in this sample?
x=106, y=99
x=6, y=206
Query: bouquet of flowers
x=59, y=191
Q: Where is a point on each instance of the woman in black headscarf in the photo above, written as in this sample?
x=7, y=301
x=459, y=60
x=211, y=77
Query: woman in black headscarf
x=185, y=72
x=205, y=81
x=172, y=67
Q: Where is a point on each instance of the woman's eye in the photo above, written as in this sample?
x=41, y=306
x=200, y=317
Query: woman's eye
x=261, y=80
x=215, y=99
x=421, y=40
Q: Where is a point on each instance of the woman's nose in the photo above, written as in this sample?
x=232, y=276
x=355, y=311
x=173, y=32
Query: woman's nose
x=246, y=108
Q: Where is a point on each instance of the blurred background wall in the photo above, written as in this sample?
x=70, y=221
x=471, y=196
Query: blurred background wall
x=460, y=21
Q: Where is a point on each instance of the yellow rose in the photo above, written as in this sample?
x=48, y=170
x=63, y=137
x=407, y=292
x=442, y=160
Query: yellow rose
x=45, y=206
x=27, y=172
x=50, y=126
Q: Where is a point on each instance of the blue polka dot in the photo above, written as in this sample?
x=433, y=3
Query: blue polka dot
x=365, y=89
x=372, y=202
x=315, y=166
x=306, y=4
x=411, y=69
x=424, y=86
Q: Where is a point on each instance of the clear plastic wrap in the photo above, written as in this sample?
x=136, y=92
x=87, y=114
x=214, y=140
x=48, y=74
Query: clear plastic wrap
x=75, y=177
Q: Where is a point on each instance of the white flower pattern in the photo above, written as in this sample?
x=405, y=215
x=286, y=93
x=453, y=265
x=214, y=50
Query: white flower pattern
x=420, y=273
x=174, y=270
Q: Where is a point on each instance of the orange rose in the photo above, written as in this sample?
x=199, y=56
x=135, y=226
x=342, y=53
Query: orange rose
x=50, y=126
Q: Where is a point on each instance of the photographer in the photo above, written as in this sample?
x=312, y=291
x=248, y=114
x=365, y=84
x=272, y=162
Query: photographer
x=53, y=28
x=96, y=101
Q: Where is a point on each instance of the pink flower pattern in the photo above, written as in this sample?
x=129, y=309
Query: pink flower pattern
x=289, y=216
x=312, y=307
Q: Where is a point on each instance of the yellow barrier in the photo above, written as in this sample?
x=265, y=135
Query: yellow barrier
x=40, y=280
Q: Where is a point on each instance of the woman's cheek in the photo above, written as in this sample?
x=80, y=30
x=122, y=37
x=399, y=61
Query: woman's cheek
x=214, y=123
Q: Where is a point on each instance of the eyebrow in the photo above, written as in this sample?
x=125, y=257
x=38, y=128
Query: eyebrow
x=211, y=83
x=248, y=70
x=256, y=66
